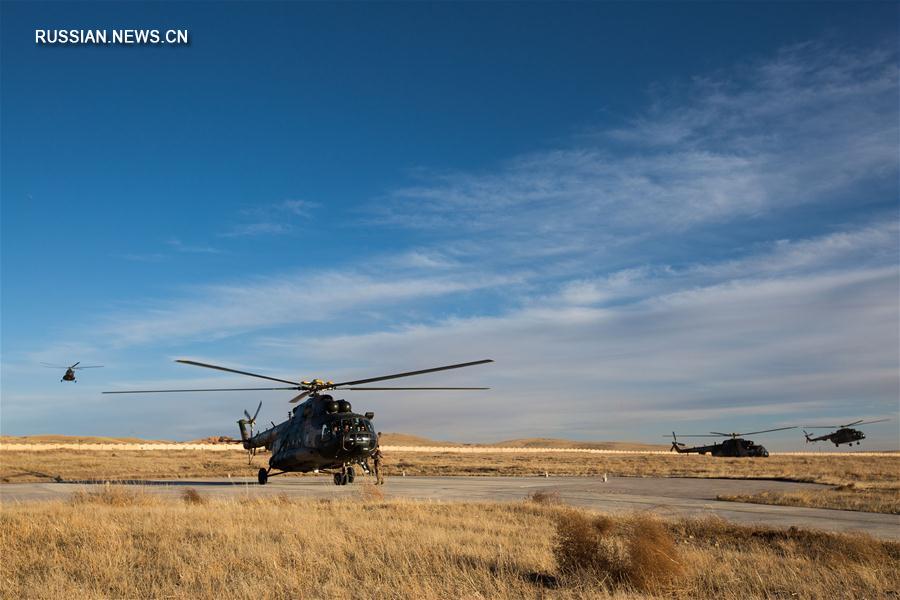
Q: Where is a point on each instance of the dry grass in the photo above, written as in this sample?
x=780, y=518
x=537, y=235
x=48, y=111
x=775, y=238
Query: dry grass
x=845, y=497
x=102, y=547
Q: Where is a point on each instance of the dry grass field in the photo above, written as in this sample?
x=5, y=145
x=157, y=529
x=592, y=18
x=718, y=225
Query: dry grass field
x=867, y=482
x=122, y=543
x=845, y=497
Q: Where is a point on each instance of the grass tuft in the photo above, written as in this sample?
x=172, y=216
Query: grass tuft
x=545, y=497
x=635, y=552
x=192, y=496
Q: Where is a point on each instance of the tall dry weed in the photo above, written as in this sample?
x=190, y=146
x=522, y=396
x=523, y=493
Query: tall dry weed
x=370, y=493
x=636, y=552
x=544, y=497
x=192, y=496
x=652, y=558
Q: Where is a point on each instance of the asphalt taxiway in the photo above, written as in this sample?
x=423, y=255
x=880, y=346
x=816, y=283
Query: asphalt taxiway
x=668, y=497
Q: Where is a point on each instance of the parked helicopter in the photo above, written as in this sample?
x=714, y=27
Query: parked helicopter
x=845, y=434
x=735, y=447
x=321, y=434
x=70, y=371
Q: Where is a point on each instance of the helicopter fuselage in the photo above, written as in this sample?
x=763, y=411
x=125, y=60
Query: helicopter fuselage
x=844, y=435
x=69, y=376
x=320, y=434
x=735, y=447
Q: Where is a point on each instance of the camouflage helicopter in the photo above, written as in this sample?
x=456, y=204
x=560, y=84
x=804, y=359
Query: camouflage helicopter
x=845, y=434
x=321, y=434
x=735, y=447
x=70, y=371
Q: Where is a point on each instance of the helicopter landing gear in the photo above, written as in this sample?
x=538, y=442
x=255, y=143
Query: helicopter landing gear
x=262, y=476
x=347, y=475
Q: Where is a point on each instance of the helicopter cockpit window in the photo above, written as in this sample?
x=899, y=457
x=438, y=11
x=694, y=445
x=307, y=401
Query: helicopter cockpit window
x=326, y=432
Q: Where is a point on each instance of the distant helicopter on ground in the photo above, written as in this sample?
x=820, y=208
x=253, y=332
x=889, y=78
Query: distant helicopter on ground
x=321, y=434
x=845, y=434
x=736, y=446
x=70, y=371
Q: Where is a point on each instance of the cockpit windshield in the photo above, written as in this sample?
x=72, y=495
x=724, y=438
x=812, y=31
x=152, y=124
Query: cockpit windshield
x=351, y=425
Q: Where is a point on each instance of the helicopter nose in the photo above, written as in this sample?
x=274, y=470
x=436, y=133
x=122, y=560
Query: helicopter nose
x=358, y=442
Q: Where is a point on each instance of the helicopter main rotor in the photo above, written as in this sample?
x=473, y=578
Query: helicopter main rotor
x=313, y=387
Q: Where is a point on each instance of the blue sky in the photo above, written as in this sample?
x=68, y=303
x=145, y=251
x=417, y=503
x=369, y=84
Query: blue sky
x=653, y=216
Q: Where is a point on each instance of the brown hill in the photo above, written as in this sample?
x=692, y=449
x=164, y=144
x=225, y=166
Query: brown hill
x=562, y=443
x=404, y=439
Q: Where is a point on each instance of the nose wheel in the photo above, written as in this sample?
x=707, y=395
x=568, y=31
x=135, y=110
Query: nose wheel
x=347, y=475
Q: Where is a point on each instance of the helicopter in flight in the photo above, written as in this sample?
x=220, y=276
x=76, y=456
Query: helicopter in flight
x=845, y=434
x=70, y=371
x=322, y=434
x=735, y=446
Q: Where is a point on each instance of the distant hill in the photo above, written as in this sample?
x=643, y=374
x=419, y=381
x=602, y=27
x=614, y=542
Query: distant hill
x=562, y=443
x=402, y=439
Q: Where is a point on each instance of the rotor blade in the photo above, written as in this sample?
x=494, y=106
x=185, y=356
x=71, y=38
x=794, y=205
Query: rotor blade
x=768, y=430
x=822, y=426
x=202, y=390
x=724, y=434
x=49, y=366
x=697, y=435
x=300, y=397
x=75, y=365
x=88, y=367
x=411, y=373
x=870, y=422
x=376, y=389
x=852, y=424
x=218, y=368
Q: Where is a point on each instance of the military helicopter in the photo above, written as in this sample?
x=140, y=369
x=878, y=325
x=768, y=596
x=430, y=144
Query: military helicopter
x=845, y=434
x=70, y=371
x=735, y=447
x=321, y=434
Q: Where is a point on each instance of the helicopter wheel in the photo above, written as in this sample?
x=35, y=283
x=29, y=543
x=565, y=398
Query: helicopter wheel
x=351, y=474
x=262, y=476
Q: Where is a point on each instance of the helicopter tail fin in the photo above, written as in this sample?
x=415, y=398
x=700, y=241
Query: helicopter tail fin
x=808, y=440
x=676, y=445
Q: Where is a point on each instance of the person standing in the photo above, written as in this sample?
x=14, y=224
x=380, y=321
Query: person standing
x=376, y=459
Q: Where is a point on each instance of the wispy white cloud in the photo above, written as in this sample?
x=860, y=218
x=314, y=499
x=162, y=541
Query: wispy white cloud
x=147, y=257
x=272, y=219
x=223, y=310
x=785, y=132
x=180, y=246
x=750, y=341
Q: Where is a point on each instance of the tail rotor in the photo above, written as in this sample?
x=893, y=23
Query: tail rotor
x=246, y=427
x=675, y=444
